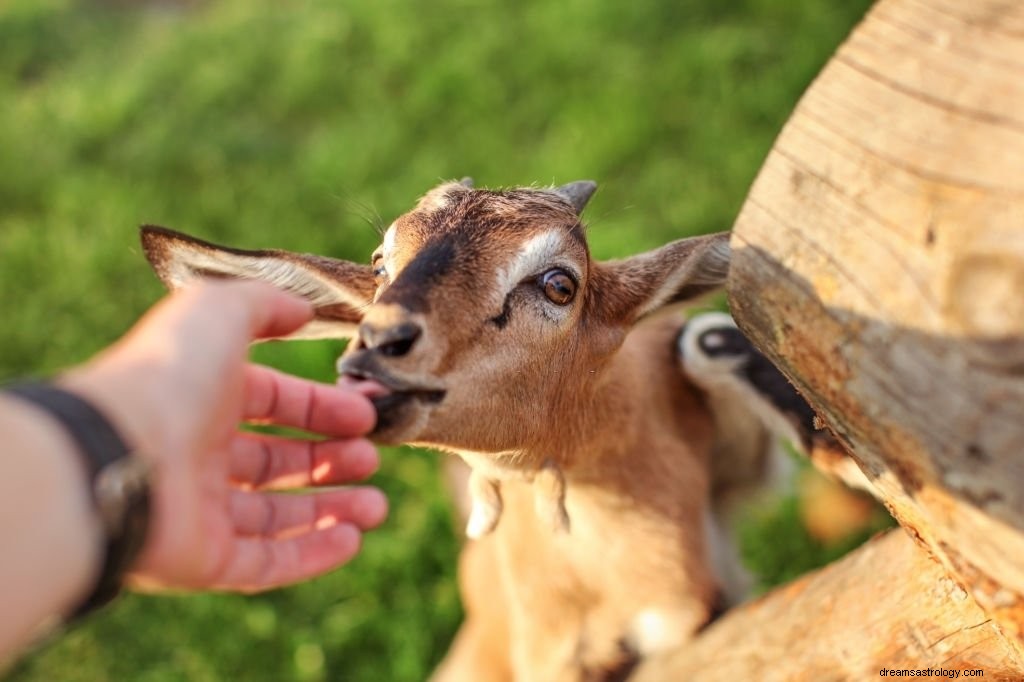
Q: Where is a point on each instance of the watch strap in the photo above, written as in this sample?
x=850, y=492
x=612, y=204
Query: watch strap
x=118, y=482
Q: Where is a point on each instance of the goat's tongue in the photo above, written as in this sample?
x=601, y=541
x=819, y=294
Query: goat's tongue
x=367, y=387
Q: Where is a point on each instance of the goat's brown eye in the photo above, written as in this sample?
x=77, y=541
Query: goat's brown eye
x=558, y=286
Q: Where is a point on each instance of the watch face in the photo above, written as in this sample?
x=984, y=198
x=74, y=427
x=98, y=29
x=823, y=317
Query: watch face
x=119, y=487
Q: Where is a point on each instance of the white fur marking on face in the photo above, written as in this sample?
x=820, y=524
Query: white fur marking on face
x=389, y=242
x=534, y=255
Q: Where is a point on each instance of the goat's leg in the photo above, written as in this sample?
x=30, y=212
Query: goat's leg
x=480, y=651
x=473, y=657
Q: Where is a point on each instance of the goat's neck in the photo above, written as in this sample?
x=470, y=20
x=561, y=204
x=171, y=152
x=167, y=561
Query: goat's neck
x=587, y=441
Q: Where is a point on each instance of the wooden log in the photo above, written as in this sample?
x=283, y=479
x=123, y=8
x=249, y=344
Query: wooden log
x=887, y=605
x=884, y=238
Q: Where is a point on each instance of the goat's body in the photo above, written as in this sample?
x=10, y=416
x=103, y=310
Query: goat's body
x=632, y=576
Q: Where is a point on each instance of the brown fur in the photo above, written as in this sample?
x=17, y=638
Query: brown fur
x=636, y=540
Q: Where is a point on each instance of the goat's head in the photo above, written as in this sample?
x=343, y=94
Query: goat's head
x=482, y=318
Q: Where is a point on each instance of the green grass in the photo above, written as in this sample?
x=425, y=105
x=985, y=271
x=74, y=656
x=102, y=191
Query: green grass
x=299, y=125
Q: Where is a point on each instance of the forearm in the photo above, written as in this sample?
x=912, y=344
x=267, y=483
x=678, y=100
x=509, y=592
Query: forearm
x=49, y=531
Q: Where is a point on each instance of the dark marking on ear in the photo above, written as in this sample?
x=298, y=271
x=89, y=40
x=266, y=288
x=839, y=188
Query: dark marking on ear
x=414, y=282
x=155, y=240
x=501, y=320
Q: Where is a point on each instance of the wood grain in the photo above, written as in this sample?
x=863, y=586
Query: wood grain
x=879, y=260
x=887, y=605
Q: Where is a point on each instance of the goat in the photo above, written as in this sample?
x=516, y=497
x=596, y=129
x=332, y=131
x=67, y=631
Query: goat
x=483, y=327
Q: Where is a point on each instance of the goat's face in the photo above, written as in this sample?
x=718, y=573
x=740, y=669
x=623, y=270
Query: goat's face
x=482, y=319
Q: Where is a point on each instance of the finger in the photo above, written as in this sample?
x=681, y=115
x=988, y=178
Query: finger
x=239, y=311
x=261, y=563
x=270, y=311
x=263, y=462
x=272, y=516
x=290, y=401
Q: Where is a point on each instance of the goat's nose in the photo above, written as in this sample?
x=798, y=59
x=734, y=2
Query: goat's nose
x=393, y=341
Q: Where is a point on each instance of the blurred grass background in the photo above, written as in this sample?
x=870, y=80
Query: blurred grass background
x=301, y=124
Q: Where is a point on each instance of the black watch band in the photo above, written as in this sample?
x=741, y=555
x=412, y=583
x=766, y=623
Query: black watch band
x=118, y=481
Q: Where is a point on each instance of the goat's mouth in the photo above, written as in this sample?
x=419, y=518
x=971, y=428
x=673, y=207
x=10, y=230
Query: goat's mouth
x=385, y=390
x=392, y=398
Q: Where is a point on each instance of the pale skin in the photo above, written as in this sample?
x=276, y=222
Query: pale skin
x=177, y=386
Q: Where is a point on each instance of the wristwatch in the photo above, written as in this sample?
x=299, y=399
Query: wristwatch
x=118, y=480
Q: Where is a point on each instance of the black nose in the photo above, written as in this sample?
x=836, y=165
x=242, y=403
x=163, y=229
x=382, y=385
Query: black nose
x=393, y=341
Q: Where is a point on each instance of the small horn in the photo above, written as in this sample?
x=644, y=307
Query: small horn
x=577, y=193
x=466, y=182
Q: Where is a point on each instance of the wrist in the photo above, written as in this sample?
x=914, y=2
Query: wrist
x=51, y=508
x=122, y=401
x=116, y=483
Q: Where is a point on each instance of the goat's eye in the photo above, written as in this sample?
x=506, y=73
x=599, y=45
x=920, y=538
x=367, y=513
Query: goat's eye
x=380, y=273
x=558, y=286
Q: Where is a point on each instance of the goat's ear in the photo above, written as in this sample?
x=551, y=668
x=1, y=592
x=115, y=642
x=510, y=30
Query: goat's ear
x=339, y=290
x=623, y=291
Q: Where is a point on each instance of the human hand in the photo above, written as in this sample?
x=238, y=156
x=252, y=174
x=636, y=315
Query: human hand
x=177, y=386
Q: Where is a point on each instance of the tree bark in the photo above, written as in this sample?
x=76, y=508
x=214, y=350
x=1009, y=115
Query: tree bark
x=887, y=605
x=879, y=261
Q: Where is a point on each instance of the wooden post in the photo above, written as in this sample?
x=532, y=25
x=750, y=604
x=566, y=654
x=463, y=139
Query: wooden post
x=879, y=261
x=887, y=605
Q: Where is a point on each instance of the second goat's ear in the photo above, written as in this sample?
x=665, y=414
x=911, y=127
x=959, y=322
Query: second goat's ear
x=628, y=289
x=339, y=290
